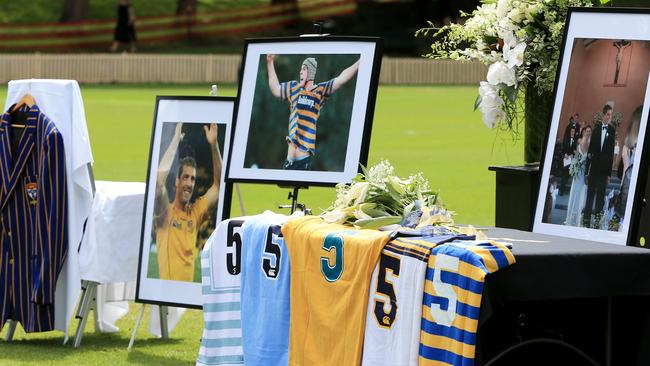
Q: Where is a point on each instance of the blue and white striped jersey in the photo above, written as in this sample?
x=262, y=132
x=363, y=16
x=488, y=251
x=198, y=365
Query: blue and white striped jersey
x=221, y=343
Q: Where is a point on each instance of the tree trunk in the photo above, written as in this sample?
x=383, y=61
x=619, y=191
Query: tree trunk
x=74, y=10
x=186, y=6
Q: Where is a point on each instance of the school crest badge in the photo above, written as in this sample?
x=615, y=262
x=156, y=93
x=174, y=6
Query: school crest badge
x=32, y=192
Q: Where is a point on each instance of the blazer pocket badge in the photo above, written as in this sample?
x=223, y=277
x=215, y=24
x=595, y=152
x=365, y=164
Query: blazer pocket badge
x=32, y=192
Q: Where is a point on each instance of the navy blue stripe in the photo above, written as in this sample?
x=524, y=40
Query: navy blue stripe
x=463, y=309
x=307, y=118
x=407, y=252
x=456, y=279
x=499, y=256
x=454, y=333
x=306, y=139
x=440, y=355
x=307, y=129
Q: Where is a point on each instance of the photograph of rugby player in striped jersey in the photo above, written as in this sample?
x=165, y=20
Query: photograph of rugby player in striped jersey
x=321, y=79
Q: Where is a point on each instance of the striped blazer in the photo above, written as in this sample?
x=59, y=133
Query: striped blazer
x=33, y=218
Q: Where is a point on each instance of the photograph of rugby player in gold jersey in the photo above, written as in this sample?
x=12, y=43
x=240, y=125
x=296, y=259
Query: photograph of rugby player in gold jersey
x=187, y=191
x=302, y=110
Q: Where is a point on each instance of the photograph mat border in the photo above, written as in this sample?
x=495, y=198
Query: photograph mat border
x=187, y=110
x=583, y=23
x=364, y=100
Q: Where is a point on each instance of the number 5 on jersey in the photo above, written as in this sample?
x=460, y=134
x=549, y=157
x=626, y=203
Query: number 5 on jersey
x=444, y=290
x=332, y=272
x=272, y=252
x=386, y=290
x=233, y=259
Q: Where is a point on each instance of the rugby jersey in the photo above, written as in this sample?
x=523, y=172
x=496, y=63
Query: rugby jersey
x=221, y=343
x=331, y=266
x=265, y=291
x=176, y=239
x=304, y=107
x=392, y=336
x=452, y=298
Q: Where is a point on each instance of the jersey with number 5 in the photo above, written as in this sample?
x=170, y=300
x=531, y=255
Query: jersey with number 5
x=265, y=291
x=220, y=269
x=452, y=299
x=331, y=266
x=394, y=313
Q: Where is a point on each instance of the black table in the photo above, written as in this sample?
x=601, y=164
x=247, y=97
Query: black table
x=582, y=293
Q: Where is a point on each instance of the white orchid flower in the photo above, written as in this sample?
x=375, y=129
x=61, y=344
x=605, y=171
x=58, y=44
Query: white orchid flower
x=500, y=73
x=514, y=56
x=490, y=105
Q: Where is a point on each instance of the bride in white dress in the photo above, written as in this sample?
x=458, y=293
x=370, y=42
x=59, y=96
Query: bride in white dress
x=578, y=193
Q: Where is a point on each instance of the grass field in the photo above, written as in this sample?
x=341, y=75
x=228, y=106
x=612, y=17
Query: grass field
x=418, y=128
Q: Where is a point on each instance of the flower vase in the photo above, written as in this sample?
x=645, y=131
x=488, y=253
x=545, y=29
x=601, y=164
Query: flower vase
x=538, y=113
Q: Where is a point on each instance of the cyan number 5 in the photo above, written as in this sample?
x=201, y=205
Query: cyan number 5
x=332, y=273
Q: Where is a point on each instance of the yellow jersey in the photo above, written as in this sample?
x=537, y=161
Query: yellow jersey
x=176, y=240
x=331, y=267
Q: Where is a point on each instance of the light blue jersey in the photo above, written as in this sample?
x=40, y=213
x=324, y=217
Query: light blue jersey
x=265, y=290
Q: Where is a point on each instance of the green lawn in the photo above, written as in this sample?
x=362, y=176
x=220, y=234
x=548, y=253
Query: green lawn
x=418, y=128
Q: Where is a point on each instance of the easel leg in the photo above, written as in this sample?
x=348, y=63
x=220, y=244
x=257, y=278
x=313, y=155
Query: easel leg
x=608, y=336
x=164, y=333
x=86, y=303
x=137, y=325
x=12, y=329
x=241, y=200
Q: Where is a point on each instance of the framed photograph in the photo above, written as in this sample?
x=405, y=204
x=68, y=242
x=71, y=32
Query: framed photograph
x=304, y=110
x=185, y=196
x=593, y=158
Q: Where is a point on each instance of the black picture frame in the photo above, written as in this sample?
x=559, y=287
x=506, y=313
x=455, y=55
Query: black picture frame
x=599, y=44
x=254, y=160
x=193, y=113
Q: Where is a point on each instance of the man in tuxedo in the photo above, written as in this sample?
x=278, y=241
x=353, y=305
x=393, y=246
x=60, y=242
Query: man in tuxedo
x=569, y=144
x=601, y=156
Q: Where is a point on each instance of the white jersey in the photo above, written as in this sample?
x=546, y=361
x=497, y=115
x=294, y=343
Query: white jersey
x=392, y=335
x=221, y=343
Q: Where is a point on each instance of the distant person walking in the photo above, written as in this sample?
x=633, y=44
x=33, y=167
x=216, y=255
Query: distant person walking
x=125, y=27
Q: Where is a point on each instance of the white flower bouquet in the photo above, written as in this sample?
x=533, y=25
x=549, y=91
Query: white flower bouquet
x=519, y=41
x=578, y=165
x=378, y=198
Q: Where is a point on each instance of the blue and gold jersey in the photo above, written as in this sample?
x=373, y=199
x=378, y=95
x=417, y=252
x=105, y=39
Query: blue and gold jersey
x=304, y=106
x=452, y=298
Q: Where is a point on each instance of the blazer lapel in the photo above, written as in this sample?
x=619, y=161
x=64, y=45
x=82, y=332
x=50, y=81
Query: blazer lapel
x=19, y=159
x=5, y=156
